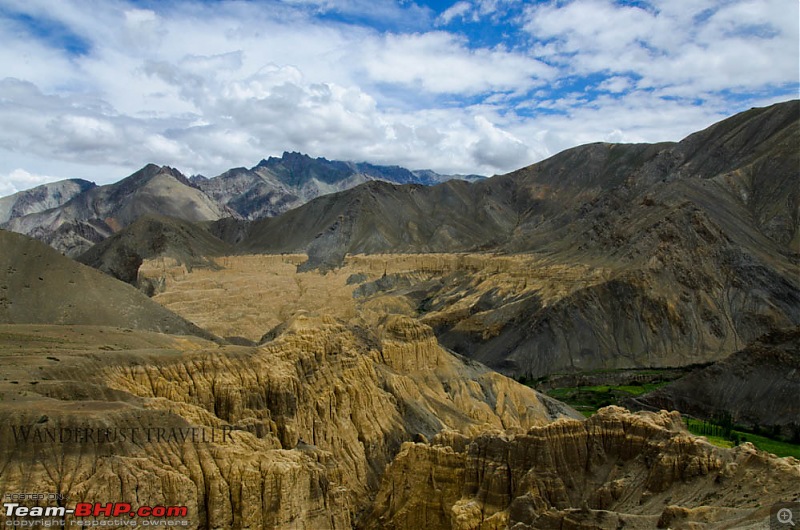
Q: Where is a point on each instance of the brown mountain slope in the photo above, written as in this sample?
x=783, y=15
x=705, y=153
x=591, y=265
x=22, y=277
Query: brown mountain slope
x=744, y=173
x=379, y=217
x=151, y=236
x=757, y=386
x=696, y=238
x=99, y=212
x=527, y=209
x=699, y=237
x=39, y=285
x=689, y=284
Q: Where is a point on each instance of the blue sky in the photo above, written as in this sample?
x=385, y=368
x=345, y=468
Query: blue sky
x=97, y=89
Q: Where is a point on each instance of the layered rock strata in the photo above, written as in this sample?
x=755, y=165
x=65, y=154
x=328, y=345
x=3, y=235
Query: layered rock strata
x=615, y=470
x=293, y=434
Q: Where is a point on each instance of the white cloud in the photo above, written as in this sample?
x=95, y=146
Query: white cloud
x=208, y=86
x=475, y=10
x=498, y=148
x=681, y=48
x=440, y=62
x=19, y=179
x=457, y=10
x=616, y=84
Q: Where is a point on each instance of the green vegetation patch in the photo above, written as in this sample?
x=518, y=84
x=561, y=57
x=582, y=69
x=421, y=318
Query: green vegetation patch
x=721, y=432
x=589, y=399
x=724, y=436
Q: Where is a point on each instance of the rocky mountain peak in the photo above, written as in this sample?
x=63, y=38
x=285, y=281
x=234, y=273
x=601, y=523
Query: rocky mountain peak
x=41, y=198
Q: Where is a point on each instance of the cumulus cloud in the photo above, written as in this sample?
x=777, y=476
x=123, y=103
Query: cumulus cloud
x=476, y=10
x=616, y=84
x=19, y=179
x=680, y=48
x=442, y=63
x=498, y=148
x=457, y=10
x=208, y=86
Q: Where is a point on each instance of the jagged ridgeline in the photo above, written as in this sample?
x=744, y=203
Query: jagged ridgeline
x=73, y=215
x=639, y=255
x=317, y=369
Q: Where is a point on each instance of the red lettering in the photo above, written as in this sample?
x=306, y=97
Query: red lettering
x=83, y=509
x=177, y=511
x=120, y=508
x=106, y=510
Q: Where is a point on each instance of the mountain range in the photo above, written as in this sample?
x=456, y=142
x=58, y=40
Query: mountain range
x=277, y=185
x=696, y=244
x=41, y=198
x=698, y=241
x=73, y=215
x=331, y=348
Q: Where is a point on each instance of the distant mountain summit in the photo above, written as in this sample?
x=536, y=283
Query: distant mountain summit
x=698, y=242
x=41, y=198
x=95, y=213
x=277, y=185
x=73, y=215
x=297, y=169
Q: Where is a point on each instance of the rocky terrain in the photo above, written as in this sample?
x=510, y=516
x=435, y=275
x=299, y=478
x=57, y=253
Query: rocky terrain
x=312, y=417
x=276, y=185
x=615, y=470
x=588, y=195
x=334, y=425
x=320, y=369
x=73, y=215
x=244, y=295
x=40, y=286
x=697, y=242
x=41, y=198
x=296, y=431
x=101, y=211
x=150, y=236
x=757, y=386
x=701, y=238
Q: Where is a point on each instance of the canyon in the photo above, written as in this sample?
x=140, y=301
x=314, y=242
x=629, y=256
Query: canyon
x=353, y=359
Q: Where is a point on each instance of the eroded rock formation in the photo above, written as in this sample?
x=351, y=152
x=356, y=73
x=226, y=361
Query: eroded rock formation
x=614, y=470
x=303, y=427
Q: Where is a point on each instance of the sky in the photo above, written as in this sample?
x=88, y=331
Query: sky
x=96, y=89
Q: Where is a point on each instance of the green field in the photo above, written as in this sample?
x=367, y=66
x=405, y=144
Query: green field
x=589, y=399
x=776, y=447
